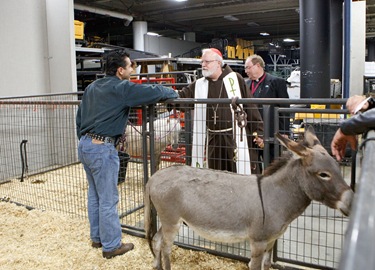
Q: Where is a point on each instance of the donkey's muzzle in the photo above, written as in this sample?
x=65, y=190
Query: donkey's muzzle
x=344, y=205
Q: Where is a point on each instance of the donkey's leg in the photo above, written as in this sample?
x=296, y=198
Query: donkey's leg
x=267, y=256
x=169, y=233
x=257, y=253
x=156, y=244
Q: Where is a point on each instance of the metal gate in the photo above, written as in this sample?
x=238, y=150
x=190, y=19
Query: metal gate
x=53, y=178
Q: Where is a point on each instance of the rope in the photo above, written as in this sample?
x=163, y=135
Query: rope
x=259, y=182
x=364, y=142
x=240, y=116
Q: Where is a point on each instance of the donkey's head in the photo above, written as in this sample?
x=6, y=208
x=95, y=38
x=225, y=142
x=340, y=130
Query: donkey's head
x=320, y=175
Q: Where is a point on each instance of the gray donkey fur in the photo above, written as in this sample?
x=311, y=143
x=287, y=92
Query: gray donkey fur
x=228, y=207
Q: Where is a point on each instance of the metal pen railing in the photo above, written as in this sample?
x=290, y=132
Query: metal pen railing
x=359, y=248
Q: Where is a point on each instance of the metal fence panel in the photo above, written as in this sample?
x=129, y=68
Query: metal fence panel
x=358, y=251
x=55, y=180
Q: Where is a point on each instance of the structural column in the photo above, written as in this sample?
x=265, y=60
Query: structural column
x=336, y=43
x=139, y=32
x=315, y=48
x=357, y=48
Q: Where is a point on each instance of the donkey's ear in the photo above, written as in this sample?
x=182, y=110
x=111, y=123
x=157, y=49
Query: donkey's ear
x=310, y=138
x=298, y=150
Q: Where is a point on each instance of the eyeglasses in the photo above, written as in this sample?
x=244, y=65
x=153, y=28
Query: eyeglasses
x=207, y=61
x=249, y=67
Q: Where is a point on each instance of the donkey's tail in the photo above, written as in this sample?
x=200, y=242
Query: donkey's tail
x=150, y=228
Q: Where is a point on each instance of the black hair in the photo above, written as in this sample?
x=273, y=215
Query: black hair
x=114, y=60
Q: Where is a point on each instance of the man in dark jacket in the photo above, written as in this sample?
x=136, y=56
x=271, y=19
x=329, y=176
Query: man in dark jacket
x=101, y=120
x=265, y=85
x=357, y=124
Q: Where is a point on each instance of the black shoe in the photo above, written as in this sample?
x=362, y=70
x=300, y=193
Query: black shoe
x=120, y=251
x=96, y=245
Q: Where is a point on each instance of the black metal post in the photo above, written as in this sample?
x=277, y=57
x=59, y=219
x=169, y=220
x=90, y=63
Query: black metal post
x=347, y=38
x=266, y=136
x=336, y=43
x=151, y=134
x=315, y=48
x=188, y=136
x=144, y=143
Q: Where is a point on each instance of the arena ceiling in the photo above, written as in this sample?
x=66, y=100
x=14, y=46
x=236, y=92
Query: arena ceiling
x=212, y=19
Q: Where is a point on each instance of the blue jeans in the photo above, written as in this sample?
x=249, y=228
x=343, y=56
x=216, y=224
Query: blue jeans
x=101, y=163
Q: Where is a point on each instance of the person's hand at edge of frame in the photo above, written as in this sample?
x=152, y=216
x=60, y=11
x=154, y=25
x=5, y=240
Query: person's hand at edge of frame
x=357, y=103
x=339, y=142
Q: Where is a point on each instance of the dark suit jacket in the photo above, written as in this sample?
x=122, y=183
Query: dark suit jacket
x=273, y=87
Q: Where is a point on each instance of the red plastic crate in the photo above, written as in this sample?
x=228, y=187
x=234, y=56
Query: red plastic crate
x=174, y=155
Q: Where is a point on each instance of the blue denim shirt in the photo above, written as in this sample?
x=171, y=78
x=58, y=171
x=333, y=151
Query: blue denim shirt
x=106, y=103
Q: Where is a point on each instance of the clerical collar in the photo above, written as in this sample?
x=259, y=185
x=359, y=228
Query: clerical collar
x=261, y=77
x=253, y=87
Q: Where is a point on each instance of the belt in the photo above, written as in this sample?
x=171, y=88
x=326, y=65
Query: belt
x=219, y=130
x=101, y=138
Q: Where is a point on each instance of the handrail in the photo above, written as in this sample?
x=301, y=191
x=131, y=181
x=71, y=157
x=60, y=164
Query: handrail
x=261, y=101
x=359, y=247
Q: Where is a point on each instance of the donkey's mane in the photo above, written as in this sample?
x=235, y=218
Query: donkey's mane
x=277, y=164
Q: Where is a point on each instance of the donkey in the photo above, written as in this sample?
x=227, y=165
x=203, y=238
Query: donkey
x=166, y=132
x=228, y=207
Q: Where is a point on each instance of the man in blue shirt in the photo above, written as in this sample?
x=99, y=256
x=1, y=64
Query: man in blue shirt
x=101, y=120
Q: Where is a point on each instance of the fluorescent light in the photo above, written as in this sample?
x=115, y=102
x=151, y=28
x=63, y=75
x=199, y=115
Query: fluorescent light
x=180, y=0
x=288, y=40
x=231, y=18
x=153, y=34
x=264, y=34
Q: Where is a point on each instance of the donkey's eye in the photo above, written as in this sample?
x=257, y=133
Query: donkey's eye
x=324, y=176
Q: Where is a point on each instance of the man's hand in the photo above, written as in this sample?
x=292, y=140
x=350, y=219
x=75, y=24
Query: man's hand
x=339, y=142
x=353, y=102
x=258, y=140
